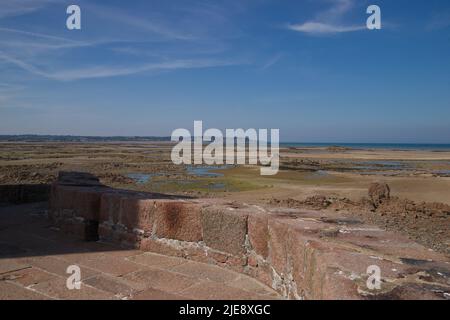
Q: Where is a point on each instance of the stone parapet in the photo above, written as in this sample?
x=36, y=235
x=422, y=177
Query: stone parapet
x=300, y=253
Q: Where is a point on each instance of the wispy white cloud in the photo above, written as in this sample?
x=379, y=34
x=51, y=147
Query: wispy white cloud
x=21, y=64
x=23, y=54
x=45, y=42
x=13, y=8
x=37, y=35
x=23, y=43
x=109, y=71
x=323, y=28
x=155, y=26
x=328, y=21
x=159, y=42
x=272, y=61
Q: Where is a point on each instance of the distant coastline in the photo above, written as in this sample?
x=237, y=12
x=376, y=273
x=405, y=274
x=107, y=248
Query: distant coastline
x=70, y=138
x=389, y=146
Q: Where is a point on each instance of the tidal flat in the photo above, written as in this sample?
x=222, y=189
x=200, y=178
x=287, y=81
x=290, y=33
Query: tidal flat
x=414, y=174
x=342, y=176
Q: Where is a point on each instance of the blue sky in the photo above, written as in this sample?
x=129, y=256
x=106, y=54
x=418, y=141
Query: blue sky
x=307, y=67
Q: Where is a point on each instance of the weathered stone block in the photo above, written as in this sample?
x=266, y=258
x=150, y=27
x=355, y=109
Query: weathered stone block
x=312, y=264
x=301, y=256
x=326, y=282
x=178, y=220
x=87, y=204
x=110, y=207
x=224, y=230
x=66, y=197
x=258, y=233
x=278, y=245
x=137, y=213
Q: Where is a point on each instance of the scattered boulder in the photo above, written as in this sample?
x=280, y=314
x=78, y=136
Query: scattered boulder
x=379, y=192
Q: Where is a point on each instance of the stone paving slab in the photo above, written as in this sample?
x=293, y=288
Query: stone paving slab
x=115, y=285
x=58, y=266
x=11, y=265
x=56, y=288
x=154, y=294
x=161, y=279
x=156, y=260
x=208, y=290
x=11, y=291
x=204, y=271
x=28, y=277
x=34, y=260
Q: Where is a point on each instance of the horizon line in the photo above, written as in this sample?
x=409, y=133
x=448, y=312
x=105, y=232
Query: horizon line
x=169, y=137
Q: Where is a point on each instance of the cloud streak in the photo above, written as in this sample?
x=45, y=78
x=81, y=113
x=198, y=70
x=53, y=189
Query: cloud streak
x=323, y=28
x=14, y=8
x=166, y=31
x=37, y=35
x=158, y=44
x=272, y=61
x=328, y=21
x=108, y=71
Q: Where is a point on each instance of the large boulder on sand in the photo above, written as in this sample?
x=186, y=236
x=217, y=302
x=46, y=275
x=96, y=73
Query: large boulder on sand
x=378, y=192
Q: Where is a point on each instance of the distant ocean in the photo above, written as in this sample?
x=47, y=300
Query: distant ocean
x=60, y=138
x=390, y=146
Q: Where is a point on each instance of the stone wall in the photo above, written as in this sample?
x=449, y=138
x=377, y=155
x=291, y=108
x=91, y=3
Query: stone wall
x=301, y=254
x=24, y=193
